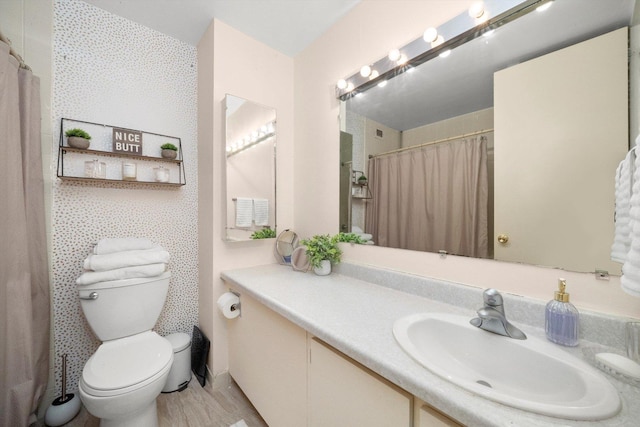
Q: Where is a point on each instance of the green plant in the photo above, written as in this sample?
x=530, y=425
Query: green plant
x=77, y=132
x=322, y=247
x=362, y=178
x=265, y=233
x=169, y=146
x=350, y=238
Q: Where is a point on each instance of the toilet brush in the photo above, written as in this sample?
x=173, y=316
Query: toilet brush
x=63, y=408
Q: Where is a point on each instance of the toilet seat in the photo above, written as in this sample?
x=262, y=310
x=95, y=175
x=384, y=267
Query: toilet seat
x=123, y=365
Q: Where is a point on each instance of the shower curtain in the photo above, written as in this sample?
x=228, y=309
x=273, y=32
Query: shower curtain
x=431, y=198
x=24, y=277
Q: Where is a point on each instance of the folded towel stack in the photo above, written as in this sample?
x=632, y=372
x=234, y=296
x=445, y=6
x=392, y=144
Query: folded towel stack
x=626, y=244
x=622, y=234
x=123, y=258
x=364, y=236
x=250, y=210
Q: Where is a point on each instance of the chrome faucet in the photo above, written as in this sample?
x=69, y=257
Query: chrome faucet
x=491, y=317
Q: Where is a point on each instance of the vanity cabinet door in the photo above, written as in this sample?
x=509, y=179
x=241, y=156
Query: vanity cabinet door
x=268, y=360
x=426, y=416
x=344, y=393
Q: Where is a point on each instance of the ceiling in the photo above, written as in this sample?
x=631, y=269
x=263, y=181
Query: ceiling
x=288, y=26
x=463, y=82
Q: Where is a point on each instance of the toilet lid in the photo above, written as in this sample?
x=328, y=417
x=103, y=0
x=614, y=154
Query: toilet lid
x=127, y=361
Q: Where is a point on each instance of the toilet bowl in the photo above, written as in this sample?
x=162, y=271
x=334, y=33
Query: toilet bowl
x=122, y=379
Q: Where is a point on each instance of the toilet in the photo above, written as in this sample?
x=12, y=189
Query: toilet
x=122, y=379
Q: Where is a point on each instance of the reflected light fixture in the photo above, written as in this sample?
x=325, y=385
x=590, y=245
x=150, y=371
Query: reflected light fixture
x=382, y=83
x=544, y=6
x=445, y=53
x=265, y=132
x=374, y=74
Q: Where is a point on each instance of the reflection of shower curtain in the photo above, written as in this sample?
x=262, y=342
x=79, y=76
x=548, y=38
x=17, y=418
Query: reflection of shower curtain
x=24, y=279
x=431, y=198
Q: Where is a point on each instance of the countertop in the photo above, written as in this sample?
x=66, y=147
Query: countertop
x=357, y=316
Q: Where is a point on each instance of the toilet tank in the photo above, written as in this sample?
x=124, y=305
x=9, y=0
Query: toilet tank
x=121, y=308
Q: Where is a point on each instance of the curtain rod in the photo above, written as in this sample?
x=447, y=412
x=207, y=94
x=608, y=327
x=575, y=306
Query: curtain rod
x=12, y=52
x=451, y=138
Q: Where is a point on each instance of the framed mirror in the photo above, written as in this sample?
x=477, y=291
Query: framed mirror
x=250, y=170
x=541, y=102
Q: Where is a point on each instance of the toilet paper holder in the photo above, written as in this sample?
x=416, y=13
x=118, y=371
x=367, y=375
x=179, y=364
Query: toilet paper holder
x=235, y=306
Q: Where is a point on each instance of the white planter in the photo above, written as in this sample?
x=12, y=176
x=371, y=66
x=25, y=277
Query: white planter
x=324, y=269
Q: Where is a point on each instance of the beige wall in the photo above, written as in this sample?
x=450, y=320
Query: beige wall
x=232, y=63
x=467, y=123
x=358, y=39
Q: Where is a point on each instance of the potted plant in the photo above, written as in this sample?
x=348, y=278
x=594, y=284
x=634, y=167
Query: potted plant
x=265, y=233
x=169, y=151
x=78, y=138
x=350, y=238
x=322, y=250
x=362, y=180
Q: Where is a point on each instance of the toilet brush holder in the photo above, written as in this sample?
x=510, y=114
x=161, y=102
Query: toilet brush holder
x=66, y=406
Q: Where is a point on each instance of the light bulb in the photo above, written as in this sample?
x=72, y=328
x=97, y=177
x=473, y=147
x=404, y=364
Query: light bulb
x=402, y=59
x=445, y=53
x=365, y=71
x=476, y=10
x=382, y=83
x=437, y=42
x=544, y=6
x=349, y=87
x=342, y=84
x=374, y=74
x=430, y=35
x=394, y=55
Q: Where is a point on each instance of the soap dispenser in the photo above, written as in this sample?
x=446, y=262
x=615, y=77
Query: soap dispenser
x=562, y=318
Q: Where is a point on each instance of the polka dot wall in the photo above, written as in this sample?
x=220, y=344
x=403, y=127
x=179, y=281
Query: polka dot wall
x=110, y=70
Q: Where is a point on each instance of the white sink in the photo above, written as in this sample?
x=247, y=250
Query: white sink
x=530, y=374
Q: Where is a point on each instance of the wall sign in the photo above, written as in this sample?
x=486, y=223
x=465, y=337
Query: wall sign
x=127, y=141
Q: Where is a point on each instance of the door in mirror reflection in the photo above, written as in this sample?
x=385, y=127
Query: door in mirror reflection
x=250, y=169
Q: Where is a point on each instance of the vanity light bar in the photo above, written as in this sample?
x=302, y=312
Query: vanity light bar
x=252, y=139
x=446, y=37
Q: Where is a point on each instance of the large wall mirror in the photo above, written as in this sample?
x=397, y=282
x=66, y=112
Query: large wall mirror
x=504, y=147
x=250, y=170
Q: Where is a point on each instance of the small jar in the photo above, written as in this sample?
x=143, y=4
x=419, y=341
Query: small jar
x=101, y=170
x=90, y=167
x=161, y=174
x=129, y=171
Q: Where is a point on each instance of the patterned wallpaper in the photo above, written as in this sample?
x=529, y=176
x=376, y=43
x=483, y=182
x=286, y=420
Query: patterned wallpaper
x=107, y=69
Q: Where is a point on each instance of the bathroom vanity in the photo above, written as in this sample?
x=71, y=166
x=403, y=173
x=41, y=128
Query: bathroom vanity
x=323, y=348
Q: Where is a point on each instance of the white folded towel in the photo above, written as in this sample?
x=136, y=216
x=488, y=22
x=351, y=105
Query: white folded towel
x=111, y=245
x=151, y=270
x=623, y=186
x=244, y=212
x=365, y=236
x=261, y=211
x=125, y=259
x=630, y=279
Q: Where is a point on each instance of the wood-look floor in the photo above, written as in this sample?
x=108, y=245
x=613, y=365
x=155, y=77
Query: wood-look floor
x=196, y=406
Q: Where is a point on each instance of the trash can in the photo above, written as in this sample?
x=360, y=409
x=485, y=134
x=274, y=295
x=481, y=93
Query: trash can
x=180, y=373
